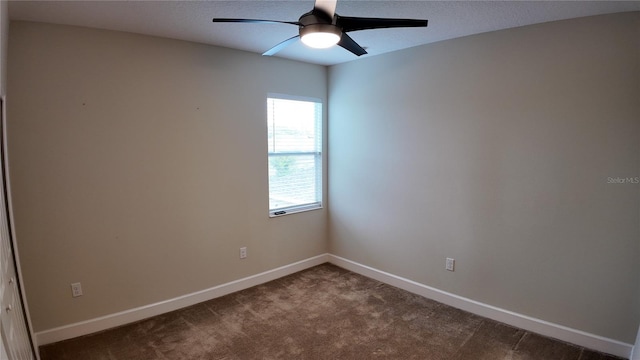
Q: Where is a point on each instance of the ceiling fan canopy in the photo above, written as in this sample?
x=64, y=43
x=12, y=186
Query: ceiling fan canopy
x=322, y=27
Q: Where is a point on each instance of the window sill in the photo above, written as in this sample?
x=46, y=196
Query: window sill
x=294, y=210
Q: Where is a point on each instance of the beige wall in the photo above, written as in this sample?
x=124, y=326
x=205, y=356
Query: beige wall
x=139, y=167
x=496, y=150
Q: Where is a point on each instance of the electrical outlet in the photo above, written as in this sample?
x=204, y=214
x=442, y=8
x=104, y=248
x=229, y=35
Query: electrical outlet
x=451, y=263
x=243, y=252
x=76, y=289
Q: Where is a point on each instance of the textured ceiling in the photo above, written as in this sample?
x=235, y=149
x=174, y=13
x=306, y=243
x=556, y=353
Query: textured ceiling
x=191, y=20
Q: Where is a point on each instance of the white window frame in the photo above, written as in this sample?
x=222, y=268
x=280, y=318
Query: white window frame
x=318, y=159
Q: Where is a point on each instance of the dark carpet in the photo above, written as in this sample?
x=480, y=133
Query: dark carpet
x=321, y=313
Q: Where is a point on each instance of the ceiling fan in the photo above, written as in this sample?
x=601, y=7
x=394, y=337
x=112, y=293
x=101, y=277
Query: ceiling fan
x=323, y=28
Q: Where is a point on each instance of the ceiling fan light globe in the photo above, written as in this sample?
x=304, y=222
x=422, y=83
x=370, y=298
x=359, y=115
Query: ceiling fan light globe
x=320, y=40
x=320, y=36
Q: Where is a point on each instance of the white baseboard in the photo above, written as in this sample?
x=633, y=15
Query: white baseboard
x=528, y=323
x=542, y=327
x=143, y=312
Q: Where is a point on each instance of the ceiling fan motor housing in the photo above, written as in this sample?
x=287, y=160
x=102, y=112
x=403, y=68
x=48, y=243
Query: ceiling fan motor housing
x=317, y=30
x=315, y=16
x=320, y=28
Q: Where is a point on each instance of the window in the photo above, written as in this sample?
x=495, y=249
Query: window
x=295, y=154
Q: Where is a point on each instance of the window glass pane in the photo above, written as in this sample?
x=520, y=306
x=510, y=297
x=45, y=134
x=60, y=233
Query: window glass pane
x=292, y=125
x=294, y=129
x=292, y=180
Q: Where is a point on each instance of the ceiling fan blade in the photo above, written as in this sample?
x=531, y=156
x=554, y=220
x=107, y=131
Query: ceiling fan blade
x=326, y=6
x=281, y=46
x=348, y=43
x=255, y=21
x=360, y=23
